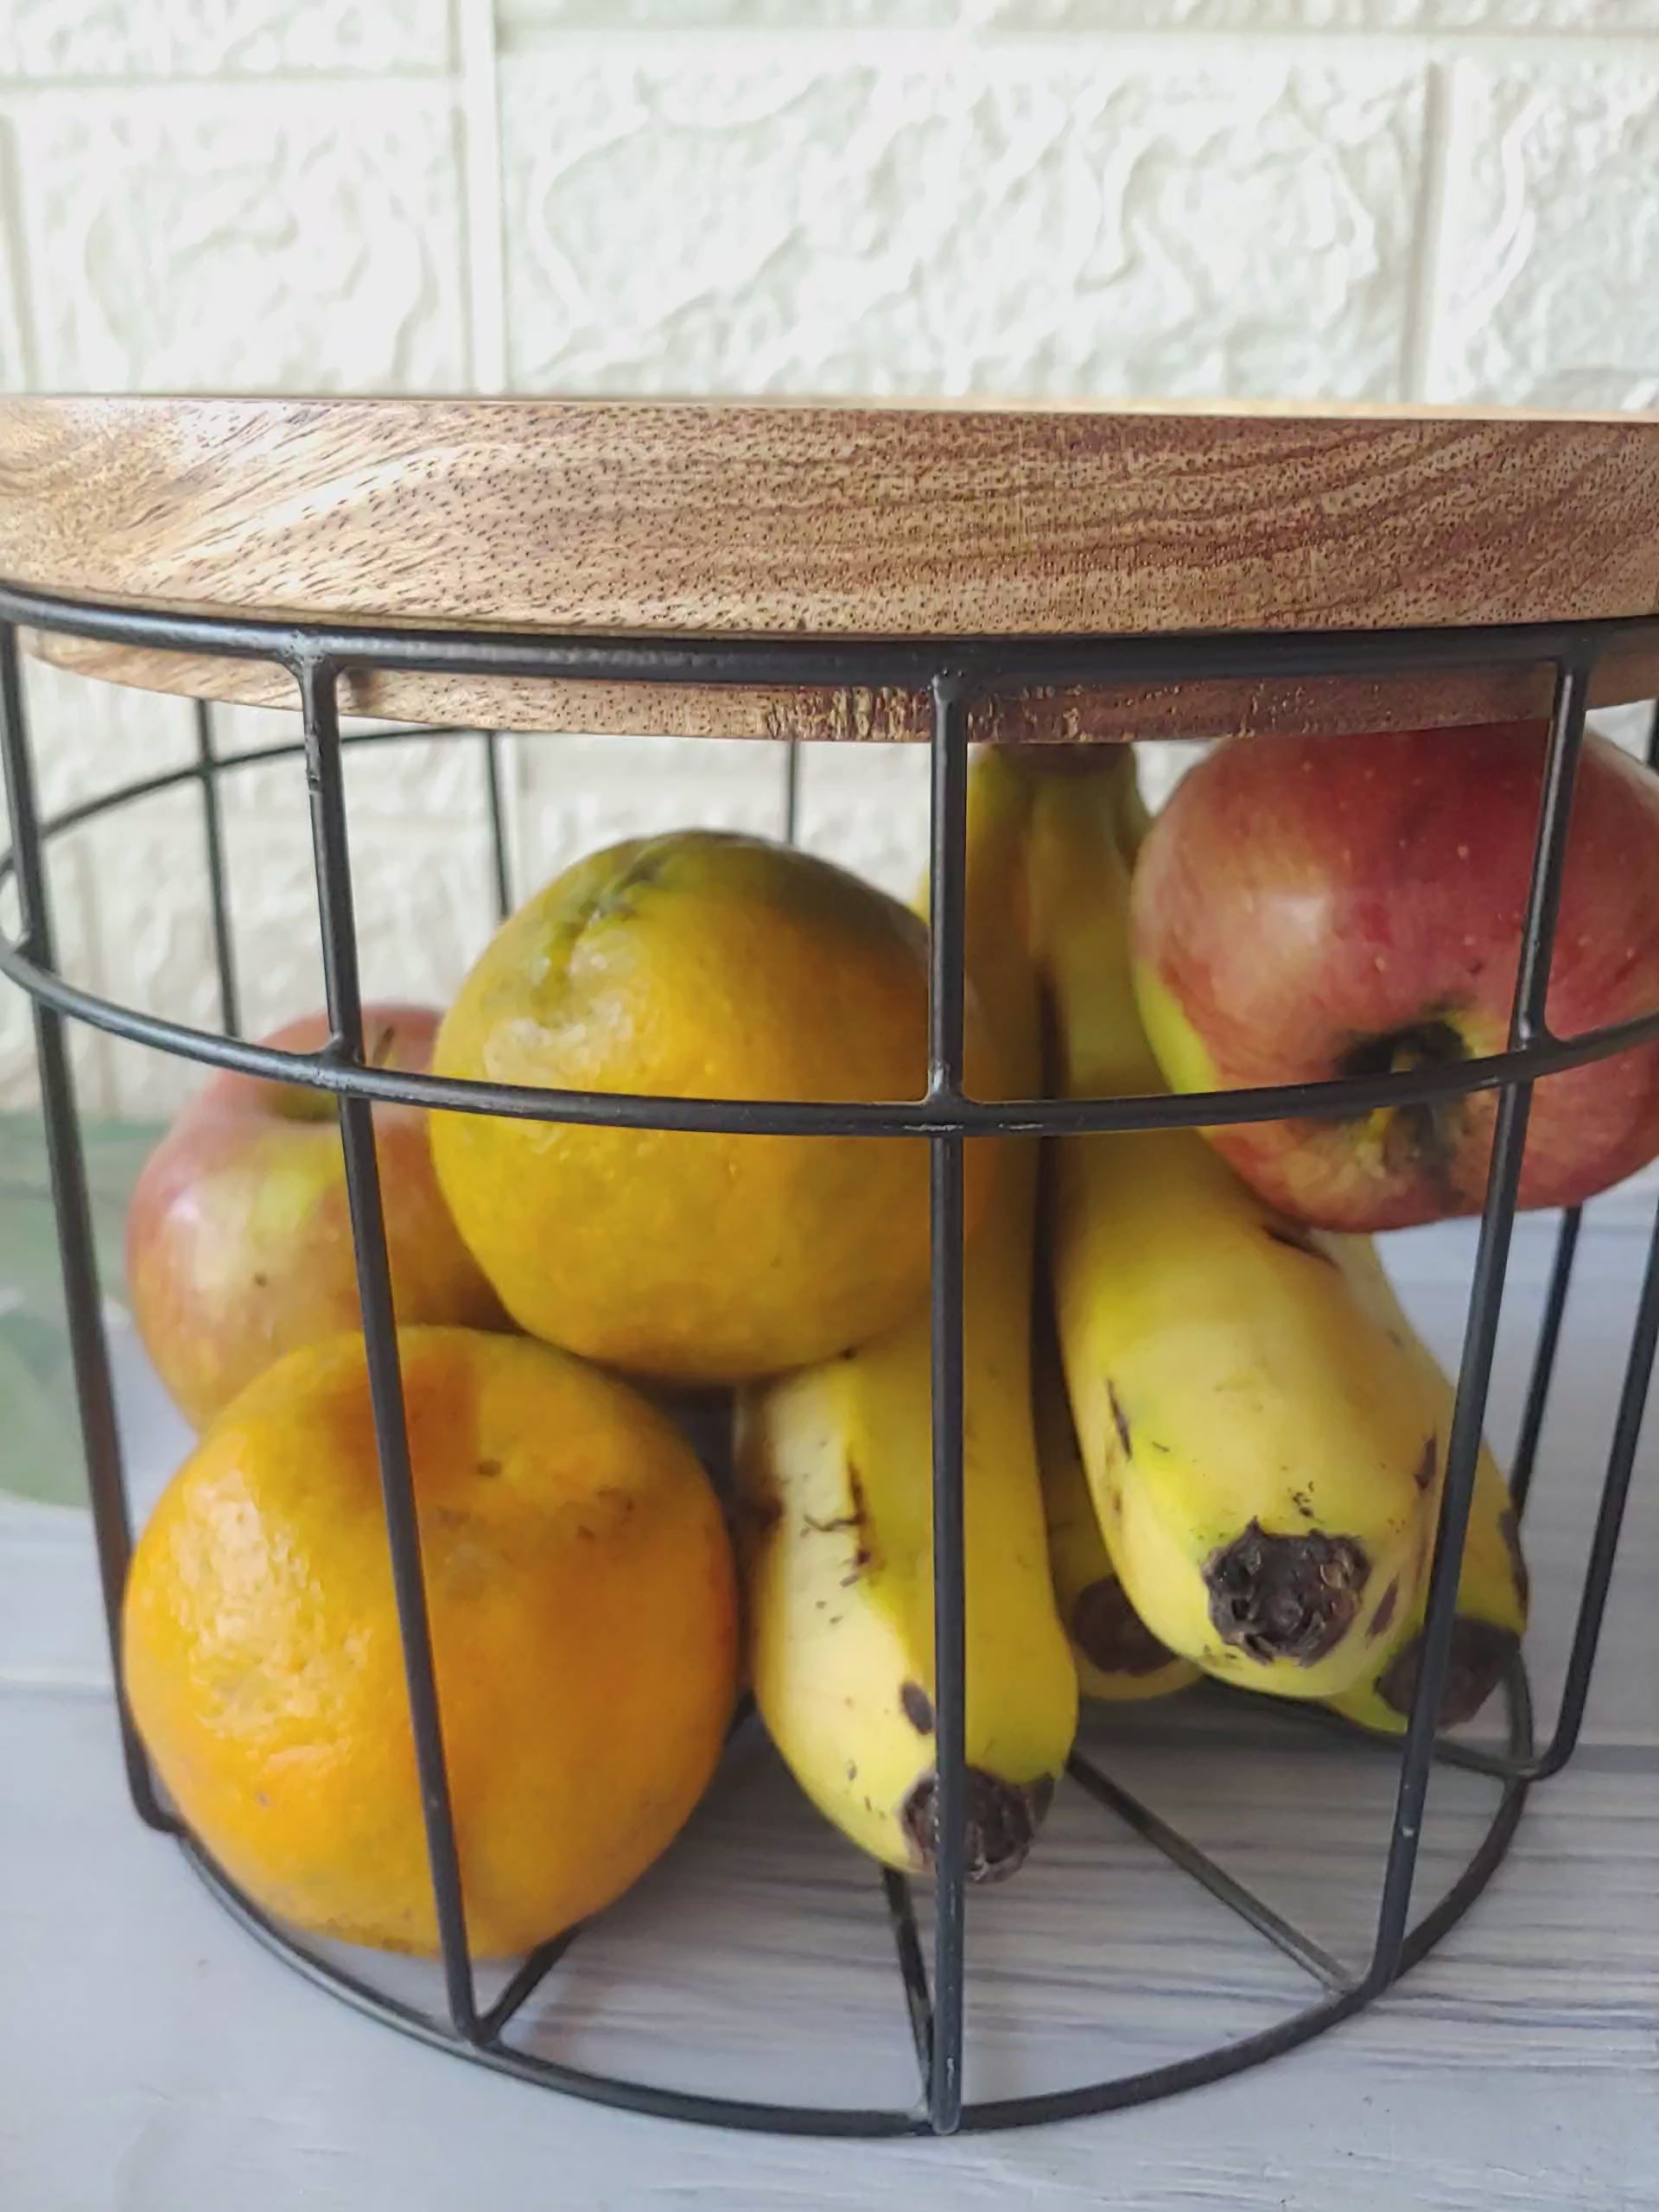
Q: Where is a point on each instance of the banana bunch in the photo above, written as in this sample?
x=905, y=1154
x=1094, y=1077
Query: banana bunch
x=834, y=1514
x=1264, y=1453
x=1223, y=1451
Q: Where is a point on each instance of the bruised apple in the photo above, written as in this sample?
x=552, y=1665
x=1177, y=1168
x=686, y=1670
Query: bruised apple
x=240, y=1235
x=1310, y=907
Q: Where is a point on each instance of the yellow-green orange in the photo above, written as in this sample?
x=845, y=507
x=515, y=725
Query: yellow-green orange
x=583, y=1615
x=697, y=964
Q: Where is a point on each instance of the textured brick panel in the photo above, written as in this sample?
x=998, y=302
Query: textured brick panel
x=305, y=242
x=1019, y=225
x=75, y=918
x=91, y=738
x=519, y=17
x=423, y=913
x=577, y=793
x=1044, y=214
x=218, y=38
x=419, y=779
x=866, y=808
x=1609, y=16
x=13, y=374
x=1547, y=288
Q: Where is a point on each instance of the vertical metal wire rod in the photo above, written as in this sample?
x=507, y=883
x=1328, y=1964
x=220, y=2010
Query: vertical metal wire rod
x=337, y=914
x=212, y=825
x=1567, y=1244
x=1527, y=1025
x=792, y=792
x=1610, y=1512
x=501, y=877
x=1544, y=1360
x=89, y=1349
x=1610, y=1519
x=1621, y=1459
x=918, y=2004
x=946, y=903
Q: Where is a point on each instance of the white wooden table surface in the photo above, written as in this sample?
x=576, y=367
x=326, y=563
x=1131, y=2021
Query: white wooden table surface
x=153, y=2059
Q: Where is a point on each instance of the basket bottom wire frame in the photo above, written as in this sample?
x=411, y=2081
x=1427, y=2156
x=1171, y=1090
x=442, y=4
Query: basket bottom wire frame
x=932, y=1971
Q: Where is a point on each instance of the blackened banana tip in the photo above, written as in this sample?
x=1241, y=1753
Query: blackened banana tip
x=1000, y=1822
x=1286, y=1597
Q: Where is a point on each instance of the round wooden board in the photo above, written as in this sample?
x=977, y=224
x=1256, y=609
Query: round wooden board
x=747, y=519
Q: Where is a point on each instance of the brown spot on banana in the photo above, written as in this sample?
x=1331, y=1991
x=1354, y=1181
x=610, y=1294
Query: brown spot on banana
x=1119, y=1418
x=1385, y=1612
x=1111, y=1635
x=858, y=1511
x=918, y=1708
x=1481, y=1652
x=1298, y=1240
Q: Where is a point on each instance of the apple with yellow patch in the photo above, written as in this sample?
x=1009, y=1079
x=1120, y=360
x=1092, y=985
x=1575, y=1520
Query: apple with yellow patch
x=240, y=1237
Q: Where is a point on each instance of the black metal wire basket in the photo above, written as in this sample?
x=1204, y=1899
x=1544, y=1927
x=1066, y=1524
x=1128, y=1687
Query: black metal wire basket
x=954, y=674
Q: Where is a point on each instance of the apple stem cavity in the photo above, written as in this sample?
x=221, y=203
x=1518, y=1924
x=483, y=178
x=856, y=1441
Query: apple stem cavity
x=1427, y=1138
x=1435, y=1043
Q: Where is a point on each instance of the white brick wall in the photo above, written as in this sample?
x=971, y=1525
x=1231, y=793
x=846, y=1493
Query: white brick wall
x=1354, y=198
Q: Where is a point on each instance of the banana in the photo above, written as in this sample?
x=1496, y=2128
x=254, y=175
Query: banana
x=1117, y=1657
x=1263, y=1459
x=1493, y=1584
x=834, y=1512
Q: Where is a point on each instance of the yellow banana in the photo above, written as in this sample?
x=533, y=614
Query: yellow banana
x=835, y=1506
x=1118, y=1658
x=1263, y=1459
x=1493, y=1585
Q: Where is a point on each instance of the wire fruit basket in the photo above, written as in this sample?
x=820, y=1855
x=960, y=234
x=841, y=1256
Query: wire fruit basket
x=944, y=577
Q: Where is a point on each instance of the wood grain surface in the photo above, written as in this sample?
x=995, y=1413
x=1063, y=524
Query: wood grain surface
x=1334, y=706
x=654, y=517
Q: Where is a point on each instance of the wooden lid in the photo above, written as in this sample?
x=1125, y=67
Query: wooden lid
x=746, y=519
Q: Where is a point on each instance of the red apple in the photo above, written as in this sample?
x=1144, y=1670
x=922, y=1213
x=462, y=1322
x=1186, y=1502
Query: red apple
x=1312, y=907
x=239, y=1235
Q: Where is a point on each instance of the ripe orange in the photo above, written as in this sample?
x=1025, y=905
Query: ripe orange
x=699, y=965
x=583, y=1617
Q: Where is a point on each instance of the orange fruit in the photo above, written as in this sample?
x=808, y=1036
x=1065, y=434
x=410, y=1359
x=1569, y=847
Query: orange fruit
x=699, y=965
x=582, y=1597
